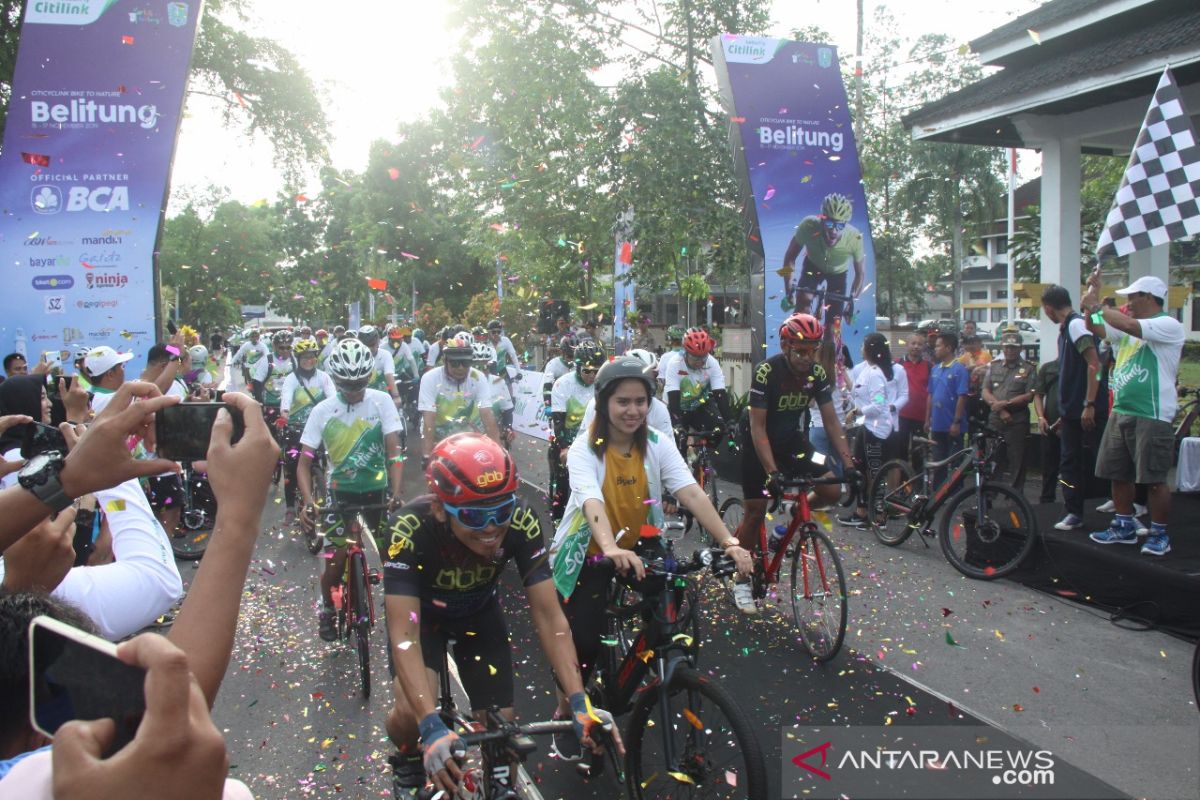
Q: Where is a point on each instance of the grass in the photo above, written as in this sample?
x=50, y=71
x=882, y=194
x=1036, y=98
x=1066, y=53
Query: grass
x=1189, y=373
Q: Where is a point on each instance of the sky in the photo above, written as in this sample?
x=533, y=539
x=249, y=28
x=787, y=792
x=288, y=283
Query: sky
x=378, y=63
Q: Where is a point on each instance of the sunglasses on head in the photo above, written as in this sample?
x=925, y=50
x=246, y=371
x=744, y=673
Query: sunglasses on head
x=833, y=225
x=351, y=386
x=477, y=518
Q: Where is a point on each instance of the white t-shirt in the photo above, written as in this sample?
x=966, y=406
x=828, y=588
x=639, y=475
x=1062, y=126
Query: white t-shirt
x=384, y=366
x=271, y=372
x=659, y=417
x=456, y=406
x=555, y=369
x=1143, y=380
x=250, y=353
x=870, y=395
x=434, y=352
x=694, y=385
x=501, y=396
x=570, y=396
x=353, y=439
x=102, y=397
x=299, y=396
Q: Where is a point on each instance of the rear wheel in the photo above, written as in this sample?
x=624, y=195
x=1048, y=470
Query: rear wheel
x=889, y=499
x=987, y=531
x=361, y=620
x=818, y=593
x=196, y=522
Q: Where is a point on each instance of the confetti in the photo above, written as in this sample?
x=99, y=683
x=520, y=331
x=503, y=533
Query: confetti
x=950, y=640
x=126, y=40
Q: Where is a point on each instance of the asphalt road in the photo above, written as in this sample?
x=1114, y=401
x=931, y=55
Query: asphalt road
x=296, y=725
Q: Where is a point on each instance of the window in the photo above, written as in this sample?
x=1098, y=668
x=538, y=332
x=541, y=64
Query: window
x=975, y=314
x=1196, y=313
x=977, y=294
x=997, y=314
x=1002, y=294
x=1001, y=245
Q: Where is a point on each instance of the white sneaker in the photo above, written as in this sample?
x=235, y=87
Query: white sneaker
x=1069, y=523
x=1107, y=507
x=743, y=597
x=1139, y=510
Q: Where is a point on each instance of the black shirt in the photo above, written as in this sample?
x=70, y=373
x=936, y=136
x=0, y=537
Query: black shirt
x=422, y=558
x=1073, y=341
x=786, y=396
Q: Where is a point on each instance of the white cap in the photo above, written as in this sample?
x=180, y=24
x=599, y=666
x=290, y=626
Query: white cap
x=1148, y=284
x=101, y=359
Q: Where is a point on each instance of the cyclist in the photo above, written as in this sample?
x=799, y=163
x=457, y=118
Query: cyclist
x=302, y=391
x=443, y=557
x=506, y=354
x=775, y=445
x=408, y=373
x=200, y=381
x=267, y=378
x=455, y=398
x=444, y=336
x=674, y=336
x=360, y=430
x=619, y=469
x=658, y=417
x=384, y=376
x=557, y=367
x=249, y=354
x=418, y=346
x=339, y=332
x=569, y=398
x=695, y=388
x=484, y=357
x=829, y=244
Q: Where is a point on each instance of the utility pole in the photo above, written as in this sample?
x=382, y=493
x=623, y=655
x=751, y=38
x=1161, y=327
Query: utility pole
x=858, y=69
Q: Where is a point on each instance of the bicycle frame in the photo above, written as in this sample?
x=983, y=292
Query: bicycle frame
x=801, y=516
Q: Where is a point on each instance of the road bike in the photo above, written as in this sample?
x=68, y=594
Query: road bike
x=703, y=471
x=814, y=582
x=987, y=529
x=197, y=516
x=685, y=735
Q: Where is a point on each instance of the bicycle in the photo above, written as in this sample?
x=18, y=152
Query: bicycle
x=314, y=541
x=817, y=585
x=988, y=528
x=1188, y=415
x=656, y=682
x=197, y=517
x=702, y=470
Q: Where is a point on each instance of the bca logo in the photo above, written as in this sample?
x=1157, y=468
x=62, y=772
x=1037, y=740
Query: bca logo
x=56, y=304
x=46, y=199
x=49, y=199
x=489, y=478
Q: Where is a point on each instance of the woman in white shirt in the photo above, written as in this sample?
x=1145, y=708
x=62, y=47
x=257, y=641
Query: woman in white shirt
x=874, y=394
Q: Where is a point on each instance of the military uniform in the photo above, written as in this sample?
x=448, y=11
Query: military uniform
x=1006, y=380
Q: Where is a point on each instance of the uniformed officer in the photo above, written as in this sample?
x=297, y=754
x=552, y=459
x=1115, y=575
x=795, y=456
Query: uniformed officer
x=1007, y=390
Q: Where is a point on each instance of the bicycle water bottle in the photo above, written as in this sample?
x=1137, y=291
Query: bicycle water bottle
x=776, y=537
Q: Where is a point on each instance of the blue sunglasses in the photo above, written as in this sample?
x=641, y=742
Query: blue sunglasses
x=477, y=518
x=833, y=225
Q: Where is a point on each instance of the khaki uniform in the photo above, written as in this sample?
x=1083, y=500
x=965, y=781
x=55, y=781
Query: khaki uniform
x=1005, y=380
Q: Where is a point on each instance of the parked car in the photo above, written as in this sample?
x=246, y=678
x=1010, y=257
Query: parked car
x=943, y=326
x=1030, y=333
x=883, y=323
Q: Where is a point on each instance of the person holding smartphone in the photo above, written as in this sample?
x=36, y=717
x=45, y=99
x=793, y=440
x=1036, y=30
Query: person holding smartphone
x=25, y=396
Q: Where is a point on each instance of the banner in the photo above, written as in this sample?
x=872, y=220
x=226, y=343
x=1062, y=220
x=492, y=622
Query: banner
x=624, y=287
x=791, y=125
x=529, y=412
x=90, y=133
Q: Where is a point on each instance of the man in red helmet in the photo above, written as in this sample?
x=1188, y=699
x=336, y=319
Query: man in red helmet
x=442, y=560
x=695, y=388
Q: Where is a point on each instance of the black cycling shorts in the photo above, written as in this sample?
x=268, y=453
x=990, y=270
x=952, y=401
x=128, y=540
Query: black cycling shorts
x=793, y=456
x=481, y=651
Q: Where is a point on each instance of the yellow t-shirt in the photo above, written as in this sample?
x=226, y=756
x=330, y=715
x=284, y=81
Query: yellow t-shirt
x=979, y=359
x=625, y=489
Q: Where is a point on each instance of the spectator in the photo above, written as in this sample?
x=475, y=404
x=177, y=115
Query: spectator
x=1138, y=442
x=875, y=396
x=969, y=329
x=949, y=384
x=1007, y=392
x=841, y=384
x=644, y=338
x=912, y=415
x=105, y=370
x=973, y=354
x=1078, y=384
x=15, y=364
x=1045, y=403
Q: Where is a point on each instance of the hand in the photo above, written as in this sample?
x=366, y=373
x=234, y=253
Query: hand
x=74, y=398
x=240, y=474
x=774, y=485
x=8, y=420
x=394, y=502
x=308, y=515
x=954, y=429
x=589, y=721
x=626, y=561
x=1005, y=416
x=1043, y=426
x=176, y=737
x=741, y=557
x=40, y=559
x=441, y=747
x=41, y=367
x=281, y=421
x=1088, y=420
x=100, y=458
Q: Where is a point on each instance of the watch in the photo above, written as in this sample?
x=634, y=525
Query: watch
x=40, y=475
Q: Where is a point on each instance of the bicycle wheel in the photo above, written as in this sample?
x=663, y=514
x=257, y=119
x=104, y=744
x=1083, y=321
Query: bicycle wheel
x=889, y=499
x=732, y=513
x=716, y=752
x=987, y=531
x=313, y=539
x=818, y=592
x=189, y=542
x=361, y=623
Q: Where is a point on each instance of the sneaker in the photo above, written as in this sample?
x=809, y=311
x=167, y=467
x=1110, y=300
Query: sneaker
x=1139, y=510
x=565, y=746
x=327, y=627
x=852, y=521
x=1142, y=530
x=1069, y=523
x=1157, y=545
x=408, y=776
x=1115, y=535
x=743, y=598
x=1107, y=507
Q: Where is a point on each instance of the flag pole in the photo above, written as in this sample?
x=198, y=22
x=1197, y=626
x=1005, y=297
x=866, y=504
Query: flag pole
x=1012, y=190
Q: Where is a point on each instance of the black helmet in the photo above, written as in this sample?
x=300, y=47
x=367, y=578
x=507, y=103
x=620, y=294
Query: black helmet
x=589, y=353
x=368, y=335
x=495, y=325
x=624, y=367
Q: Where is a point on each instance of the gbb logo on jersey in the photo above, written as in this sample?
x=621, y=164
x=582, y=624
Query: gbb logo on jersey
x=44, y=283
x=489, y=478
x=49, y=199
x=108, y=280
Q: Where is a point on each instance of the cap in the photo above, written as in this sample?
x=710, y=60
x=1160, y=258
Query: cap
x=1148, y=284
x=1010, y=338
x=101, y=359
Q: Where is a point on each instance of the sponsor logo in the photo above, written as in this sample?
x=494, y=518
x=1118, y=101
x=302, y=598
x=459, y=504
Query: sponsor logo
x=177, y=14
x=45, y=283
x=482, y=457
x=489, y=478
x=47, y=199
x=43, y=337
x=45, y=241
x=55, y=304
x=107, y=258
x=108, y=238
x=824, y=58
x=103, y=333
x=822, y=750
x=108, y=280
x=81, y=112
x=749, y=49
x=86, y=304
x=60, y=262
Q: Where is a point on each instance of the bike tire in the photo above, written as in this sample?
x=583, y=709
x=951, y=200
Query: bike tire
x=716, y=741
x=891, y=492
x=361, y=624
x=710, y=489
x=196, y=522
x=993, y=550
x=314, y=540
x=623, y=631
x=821, y=633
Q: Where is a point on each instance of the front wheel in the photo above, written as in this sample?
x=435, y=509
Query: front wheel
x=987, y=531
x=191, y=539
x=818, y=591
x=715, y=751
x=361, y=624
x=889, y=501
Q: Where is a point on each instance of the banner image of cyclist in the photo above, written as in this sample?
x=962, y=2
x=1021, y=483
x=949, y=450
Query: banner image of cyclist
x=800, y=160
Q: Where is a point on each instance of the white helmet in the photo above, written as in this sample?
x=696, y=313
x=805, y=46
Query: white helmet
x=199, y=354
x=350, y=360
x=646, y=357
x=483, y=351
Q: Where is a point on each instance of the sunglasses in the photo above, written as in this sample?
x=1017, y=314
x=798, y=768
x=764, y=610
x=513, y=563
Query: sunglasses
x=458, y=362
x=833, y=225
x=588, y=371
x=478, y=518
x=351, y=386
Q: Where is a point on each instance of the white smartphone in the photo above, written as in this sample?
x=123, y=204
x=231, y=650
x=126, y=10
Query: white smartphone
x=75, y=675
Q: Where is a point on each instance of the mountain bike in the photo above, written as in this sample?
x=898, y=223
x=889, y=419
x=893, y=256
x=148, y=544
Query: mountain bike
x=987, y=529
x=814, y=582
x=702, y=470
x=685, y=734
x=352, y=595
x=197, y=517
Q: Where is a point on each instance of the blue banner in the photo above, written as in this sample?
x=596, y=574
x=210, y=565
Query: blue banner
x=90, y=133
x=805, y=203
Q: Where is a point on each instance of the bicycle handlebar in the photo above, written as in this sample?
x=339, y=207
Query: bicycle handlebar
x=713, y=434
x=706, y=558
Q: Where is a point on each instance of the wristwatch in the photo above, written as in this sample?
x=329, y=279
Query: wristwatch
x=40, y=475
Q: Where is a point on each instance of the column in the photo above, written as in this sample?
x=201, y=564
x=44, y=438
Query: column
x=1060, y=227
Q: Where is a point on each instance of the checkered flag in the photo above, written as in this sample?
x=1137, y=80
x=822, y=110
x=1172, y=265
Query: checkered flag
x=1158, y=198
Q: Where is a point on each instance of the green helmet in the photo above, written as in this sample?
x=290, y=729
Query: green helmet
x=836, y=207
x=675, y=333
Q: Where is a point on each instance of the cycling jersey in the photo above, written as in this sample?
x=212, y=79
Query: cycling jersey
x=506, y=354
x=384, y=366
x=664, y=363
x=422, y=558
x=570, y=396
x=501, y=396
x=250, y=353
x=555, y=369
x=785, y=396
x=405, y=364
x=810, y=234
x=271, y=372
x=299, y=396
x=456, y=406
x=694, y=385
x=353, y=438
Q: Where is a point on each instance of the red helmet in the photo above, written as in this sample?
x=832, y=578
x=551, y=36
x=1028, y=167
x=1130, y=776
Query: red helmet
x=800, y=328
x=697, y=342
x=467, y=468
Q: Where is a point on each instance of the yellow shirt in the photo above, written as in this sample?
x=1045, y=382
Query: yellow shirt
x=980, y=358
x=625, y=489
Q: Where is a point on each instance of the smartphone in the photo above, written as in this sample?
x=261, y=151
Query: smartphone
x=75, y=675
x=171, y=328
x=53, y=358
x=40, y=439
x=184, y=430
